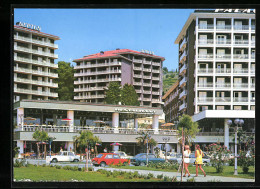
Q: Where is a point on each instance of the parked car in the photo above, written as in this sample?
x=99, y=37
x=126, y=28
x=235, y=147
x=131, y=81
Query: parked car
x=140, y=159
x=65, y=156
x=176, y=157
x=122, y=154
x=104, y=159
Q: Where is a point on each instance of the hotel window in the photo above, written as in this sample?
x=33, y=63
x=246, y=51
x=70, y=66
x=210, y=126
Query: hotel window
x=203, y=24
x=252, y=108
x=220, y=107
x=204, y=108
x=221, y=24
x=221, y=39
x=238, y=25
x=237, y=108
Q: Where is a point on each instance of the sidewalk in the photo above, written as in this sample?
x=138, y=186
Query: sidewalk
x=200, y=178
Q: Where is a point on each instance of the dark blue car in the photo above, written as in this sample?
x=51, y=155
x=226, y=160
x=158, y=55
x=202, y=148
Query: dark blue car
x=140, y=159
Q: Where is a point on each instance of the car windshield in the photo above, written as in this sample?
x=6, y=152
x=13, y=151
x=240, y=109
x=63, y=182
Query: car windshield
x=99, y=155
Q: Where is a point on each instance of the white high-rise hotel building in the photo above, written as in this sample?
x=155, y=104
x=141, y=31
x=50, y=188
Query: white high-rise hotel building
x=34, y=75
x=217, y=68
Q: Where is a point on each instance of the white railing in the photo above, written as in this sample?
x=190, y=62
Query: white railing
x=155, y=100
x=98, y=65
x=97, y=80
x=97, y=72
x=205, y=99
x=146, y=99
x=223, y=42
x=147, y=84
x=138, y=91
x=241, y=27
x=222, y=99
x=205, y=41
x=253, y=42
x=155, y=78
x=206, y=27
x=184, y=67
x=147, y=92
x=27, y=70
x=252, y=85
x=36, y=82
x=156, y=64
x=43, y=63
x=147, y=77
x=252, y=27
x=182, y=106
x=252, y=99
x=240, y=42
x=182, y=43
x=156, y=71
x=223, y=27
x=240, y=85
x=222, y=85
x=252, y=56
x=183, y=81
x=155, y=93
x=155, y=86
x=240, y=99
x=205, y=70
x=35, y=51
x=89, y=96
x=205, y=56
x=137, y=68
x=183, y=55
x=88, y=89
x=225, y=56
x=27, y=39
x=137, y=60
x=137, y=75
x=183, y=93
x=240, y=56
x=137, y=83
x=243, y=70
x=222, y=70
x=19, y=90
x=205, y=84
x=147, y=62
x=147, y=69
x=252, y=71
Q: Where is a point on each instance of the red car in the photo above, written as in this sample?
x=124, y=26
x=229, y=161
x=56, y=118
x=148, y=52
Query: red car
x=104, y=159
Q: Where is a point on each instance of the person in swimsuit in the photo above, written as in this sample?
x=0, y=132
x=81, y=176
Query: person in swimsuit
x=199, y=154
x=186, y=159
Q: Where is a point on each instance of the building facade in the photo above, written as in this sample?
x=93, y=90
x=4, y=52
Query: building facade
x=217, y=68
x=171, y=99
x=140, y=69
x=34, y=68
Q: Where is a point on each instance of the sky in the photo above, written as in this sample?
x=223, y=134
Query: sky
x=88, y=31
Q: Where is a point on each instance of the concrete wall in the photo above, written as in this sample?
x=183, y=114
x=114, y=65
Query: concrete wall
x=126, y=72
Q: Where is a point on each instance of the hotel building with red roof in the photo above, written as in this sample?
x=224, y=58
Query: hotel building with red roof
x=34, y=68
x=142, y=69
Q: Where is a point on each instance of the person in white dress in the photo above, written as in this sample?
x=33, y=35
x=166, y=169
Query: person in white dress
x=186, y=160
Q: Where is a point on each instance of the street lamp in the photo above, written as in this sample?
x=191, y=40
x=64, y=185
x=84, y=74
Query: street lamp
x=51, y=139
x=166, y=139
x=237, y=122
x=147, y=138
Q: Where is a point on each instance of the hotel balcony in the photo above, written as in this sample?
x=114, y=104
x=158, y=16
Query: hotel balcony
x=38, y=42
x=222, y=85
x=138, y=91
x=205, y=85
x=253, y=57
x=146, y=92
x=88, y=89
x=156, y=93
x=35, y=72
x=147, y=62
x=240, y=42
x=156, y=64
x=241, y=27
x=240, y=99
x=183, y=93
x=205, y=41
x=97, y=80
x=223, y=27
x=138, y=75
x=252, y=86
x=155, y=78
x=223, y=42
x=146, y=99
x=183, y=81
x=147, y=84
x=183, y=57
x=35, y=82
x=147, y=69
x=240, y=71
x=89, y=97
x=156, y=71
x=35, y=92
x=147, y=77
x=156, y=101
x=96, y=73
x=253, y=27
x=252, y=99
x=183, y=106
x=155, y=86
x=205, y=99
x=137, y=68
x=137, y=60
x=35, y=62
x=252, y=71
x=253, y=42
x=115, y=63
x=240, y=85
x=240, y=56
x=205, y=56
x=137, y=83
x=205, y=70
x=223, y=57
x=183, y=44
x=222, y=70
x=27, y=50
x=206, y=27
x=184, y=67
x=223, y=99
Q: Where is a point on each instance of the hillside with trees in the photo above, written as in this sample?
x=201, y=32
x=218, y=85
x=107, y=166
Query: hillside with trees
x=169, y=78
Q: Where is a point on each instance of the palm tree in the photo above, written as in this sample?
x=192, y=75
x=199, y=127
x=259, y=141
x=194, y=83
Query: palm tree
x=142, y=140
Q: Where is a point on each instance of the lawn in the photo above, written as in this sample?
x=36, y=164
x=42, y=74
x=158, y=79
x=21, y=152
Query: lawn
x=60, y=175
x=227, y=172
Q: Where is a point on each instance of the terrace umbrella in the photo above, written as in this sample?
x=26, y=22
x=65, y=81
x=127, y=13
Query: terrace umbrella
x=66, y=119
x=167, y=124
x=116, y=144
x=98, y=121
x=30, y=118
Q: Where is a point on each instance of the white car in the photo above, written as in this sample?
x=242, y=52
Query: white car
x=65, y=156
x=122, y=154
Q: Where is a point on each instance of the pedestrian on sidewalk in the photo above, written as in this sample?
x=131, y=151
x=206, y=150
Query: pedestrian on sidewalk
x=186, y=159
x=199, y=154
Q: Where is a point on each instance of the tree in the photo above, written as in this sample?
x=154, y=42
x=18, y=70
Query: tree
x=190, y=128
x=165, y=70
x=113, y=93
x=41, y=136
x=142, y=140
x=129, y=95
x=65, y=81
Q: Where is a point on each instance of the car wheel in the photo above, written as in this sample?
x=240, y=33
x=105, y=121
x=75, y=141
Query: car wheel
x=54, y=160
x=102, y=164
x=75, y=160
x=142, y=164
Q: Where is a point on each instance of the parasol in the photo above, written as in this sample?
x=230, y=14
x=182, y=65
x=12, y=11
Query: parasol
x=116, y=144
x=30, y=118
x=97, y=144
x=167, y=124
x=66, y=119
x=98, y=121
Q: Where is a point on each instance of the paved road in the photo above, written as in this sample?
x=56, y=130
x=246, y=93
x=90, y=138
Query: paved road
x=200, y=178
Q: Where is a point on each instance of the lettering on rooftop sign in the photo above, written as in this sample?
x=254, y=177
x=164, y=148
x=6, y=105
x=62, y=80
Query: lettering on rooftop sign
x=236, y=10
x=30, y=26
x=135, y=111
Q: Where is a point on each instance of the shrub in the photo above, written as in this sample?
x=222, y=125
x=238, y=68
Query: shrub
x=174, y=179
x=166, y=179
x=28, y=164
x=58, y=166
x=115, y=174
x=90, y=169
x=231, y=162
x=135, y=175
x=150, y=175
x=191, y=180
x=19, y=163
x=160, y=176
x=245, y=162
x=214, y=180
x=43, y=165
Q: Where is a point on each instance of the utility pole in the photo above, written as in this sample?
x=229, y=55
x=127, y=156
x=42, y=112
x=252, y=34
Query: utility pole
x=183, y=138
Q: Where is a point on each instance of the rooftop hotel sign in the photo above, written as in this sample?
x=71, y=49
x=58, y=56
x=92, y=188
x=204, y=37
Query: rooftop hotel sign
x=30, y=26
x=236, y=10
x=135, y=111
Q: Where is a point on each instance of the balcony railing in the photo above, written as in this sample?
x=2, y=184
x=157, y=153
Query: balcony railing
x=155, y=78
x=147, y=84
x=205, y=99
x=222, y=85
x=240, y=85
x=88, y=89
x=30, y=40
x=156, y=71
x=253, y=42
x=183, y=55
x=155, y=101
x=183, y=81
x=243, y=70
x=137, y=83
x=205, y=56
x=138, y=91
x=36, y=62
x=147, y=62
x=205, y=70
x=221, y=57
x=137, y=68
x=252, y=56
x=182, y=43
x=222, y=99
x=240, y=42
x=240, y=99
x=184, y=67
x=35, y=51
x=240, y=56
x=147, y=77
x=155, y=85
x=252, y=85
x=252, y=99
x=36, y=72
x=205, y=85
x=223, y=42
x=252, y=71
x=206, y=27
x=183, y=93
x=89, y=97
x=146, y=99
x=138, y=60
x=223, y=70
x=223, y=27
x=182, y=106
x=97, y=72
x=147, y=69
x=252, y=27
x=115, y=63
x=156, y=64
x=97, y=80
x=147, y=92
x=241, y=27
x=35, y=82
x=35, y=92
x=205, y=41
x=156, y=93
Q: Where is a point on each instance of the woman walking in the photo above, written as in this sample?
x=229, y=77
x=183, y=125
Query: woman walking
x=186, y=159
x=198, y=155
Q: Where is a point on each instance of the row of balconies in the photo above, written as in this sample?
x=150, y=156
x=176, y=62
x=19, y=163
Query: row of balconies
x=35, y=62
x=35, y=82
x=115, y=63
x=183, y=44
x=27, y=50
x=35, y=72
x=225, y=71
x=147, y=69
x=226, y=27
x=97, y=72
x=88, y=97
x=225, y=56
x=225, y=42
x=146, y=77
x=225, y=85
x=88, y=89
x=147, y=92
x=147, y=62
x=35, y=92
x=183, y=106
x=38, y=42
x=183, y=93
x=97, y=80
x=225, y=99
